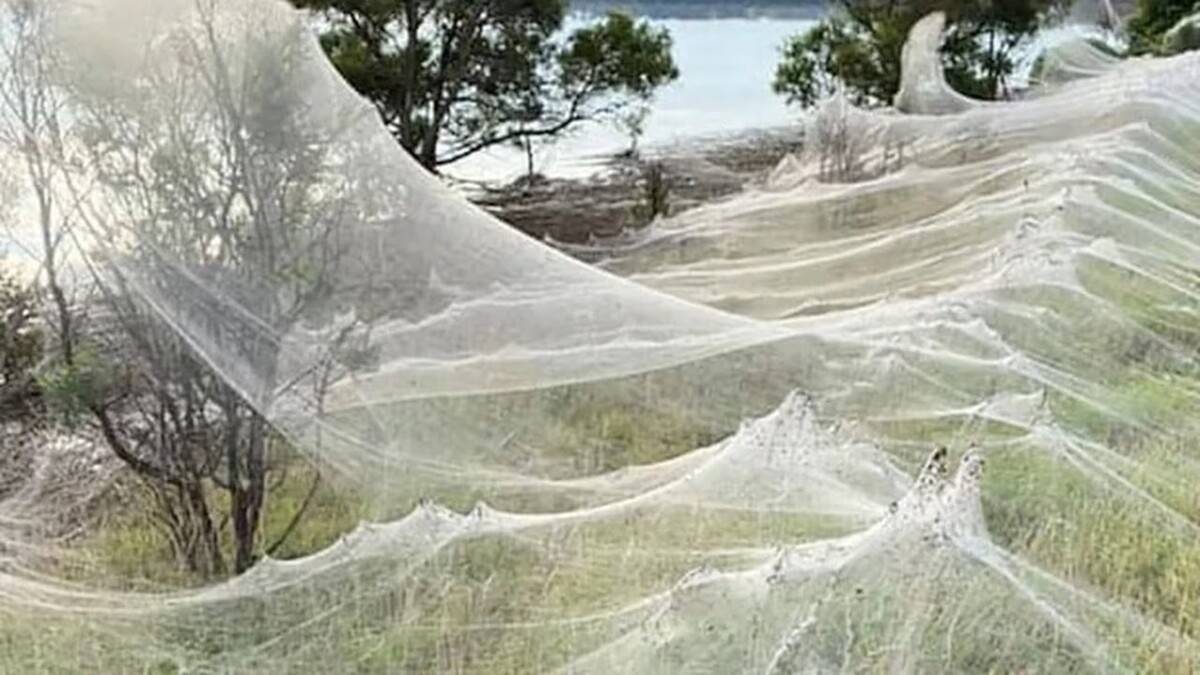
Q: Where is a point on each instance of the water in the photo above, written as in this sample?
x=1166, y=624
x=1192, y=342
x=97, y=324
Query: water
x=726, y=67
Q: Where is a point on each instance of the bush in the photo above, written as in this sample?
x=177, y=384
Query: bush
x=73, y=389
x=20, y=343
x=1153, y=19
x=858, y=47
x=1184, y=37
x=656, y=194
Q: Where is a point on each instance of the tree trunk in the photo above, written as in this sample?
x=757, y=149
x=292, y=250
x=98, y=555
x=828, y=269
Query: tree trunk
x=50, y=262
x=243, y=547
x=529, y=159
x=248, y=494
x=427, y=153
x=412, y=27
x=206, y=532
x=183, y=512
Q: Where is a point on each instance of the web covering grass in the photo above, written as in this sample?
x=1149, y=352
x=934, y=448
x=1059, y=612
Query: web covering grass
x=716, y=452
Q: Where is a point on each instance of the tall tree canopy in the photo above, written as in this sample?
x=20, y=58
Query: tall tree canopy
x=453, y=77
x=859, y=45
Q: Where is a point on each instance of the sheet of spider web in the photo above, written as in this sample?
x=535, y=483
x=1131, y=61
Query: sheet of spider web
x=925, y=402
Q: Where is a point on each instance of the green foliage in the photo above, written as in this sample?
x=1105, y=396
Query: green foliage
x=73, y=389
x=838, y=49
x=453, y=77
x=859, y=45
x=618, y=55
x=1185, y=36
x=20, y=336
x=1153, y=18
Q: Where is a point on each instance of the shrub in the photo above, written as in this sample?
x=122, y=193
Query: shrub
x=656, y=194
x=1153, y=19
x=20, y=343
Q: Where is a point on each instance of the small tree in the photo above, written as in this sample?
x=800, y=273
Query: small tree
x=226, y=187
x=860, y=43
x=655, y=194
x=451, y=78
x=215, y=210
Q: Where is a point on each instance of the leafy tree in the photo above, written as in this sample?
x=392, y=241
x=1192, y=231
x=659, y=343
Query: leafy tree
x=453, y=77
x=1152, y=19
x=859, y=45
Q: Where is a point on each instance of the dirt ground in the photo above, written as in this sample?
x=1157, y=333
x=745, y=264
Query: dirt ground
x=696, y=171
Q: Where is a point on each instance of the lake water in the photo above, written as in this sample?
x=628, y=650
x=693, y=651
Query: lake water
x=726, y=67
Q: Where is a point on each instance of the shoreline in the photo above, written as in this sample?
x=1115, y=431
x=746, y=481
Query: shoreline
x=704, y=9
x=696, y=170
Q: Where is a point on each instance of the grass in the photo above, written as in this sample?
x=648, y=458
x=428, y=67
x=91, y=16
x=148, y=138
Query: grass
x=1116, y=520
x=129, y=549
x=520, y=603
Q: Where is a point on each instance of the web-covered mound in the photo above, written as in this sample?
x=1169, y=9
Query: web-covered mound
x=834, y=604
x=923, y=86
x=1074, y=59
x=587, y=470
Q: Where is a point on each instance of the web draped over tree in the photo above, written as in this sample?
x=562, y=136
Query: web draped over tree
x=926, y=405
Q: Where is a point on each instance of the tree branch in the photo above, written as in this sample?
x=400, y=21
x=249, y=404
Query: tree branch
x=123, y=452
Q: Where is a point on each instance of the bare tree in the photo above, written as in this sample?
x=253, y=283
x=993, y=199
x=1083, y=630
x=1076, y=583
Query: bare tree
x=30, y=127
